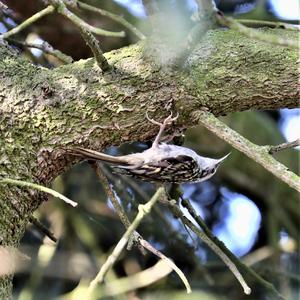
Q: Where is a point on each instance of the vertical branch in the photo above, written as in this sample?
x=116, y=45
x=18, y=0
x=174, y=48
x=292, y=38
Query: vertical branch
x=86, y=32
x=92, y=42
x=206, y=8
x=151, y=7
x=119, y=209
x=143, y=211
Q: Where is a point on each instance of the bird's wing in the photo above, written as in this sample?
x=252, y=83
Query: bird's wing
x=171, y=169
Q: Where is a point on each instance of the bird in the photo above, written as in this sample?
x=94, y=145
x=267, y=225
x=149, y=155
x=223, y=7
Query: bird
x=161, y=163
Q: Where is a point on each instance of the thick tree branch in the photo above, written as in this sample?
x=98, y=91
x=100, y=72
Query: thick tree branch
x=77, y=105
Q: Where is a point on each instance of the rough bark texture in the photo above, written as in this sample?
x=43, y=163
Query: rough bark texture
x=43, y=110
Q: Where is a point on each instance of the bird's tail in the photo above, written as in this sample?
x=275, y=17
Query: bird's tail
x=95, y=155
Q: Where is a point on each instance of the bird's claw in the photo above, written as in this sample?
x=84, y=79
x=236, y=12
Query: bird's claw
x=167, y=121
x=162, y=126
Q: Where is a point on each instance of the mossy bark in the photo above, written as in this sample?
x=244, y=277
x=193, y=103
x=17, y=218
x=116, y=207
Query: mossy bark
x=43, y=110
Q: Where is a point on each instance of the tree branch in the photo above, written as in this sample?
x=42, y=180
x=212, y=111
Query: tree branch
x=39, y=188
x=62, y=9
x=46, y=48
x=139, y=239
x=210, y=243
x=3, y=6
x=237, y=262
x=284, y=146
x=86, y=31
x=270, y=24
x=48, y=10
x=257, y=153
x=94, y=46
x=114, y=17
x=143, y=211
x=255, y=34
x=84, y=107
x=42, y=228
x=44, y=110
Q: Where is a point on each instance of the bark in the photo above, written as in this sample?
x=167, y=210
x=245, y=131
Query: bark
x=42, y=110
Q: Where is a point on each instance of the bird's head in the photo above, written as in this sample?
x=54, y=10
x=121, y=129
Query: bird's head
x=210, y=165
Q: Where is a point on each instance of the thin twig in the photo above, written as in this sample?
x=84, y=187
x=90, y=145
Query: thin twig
x=257, y=153
x=133, y=282
x=3, y=6
x=117, y=206
x=210, y=243
x=181, y=275
x=143, y=211
x=48, y=10
x=284, y=146
x=255, y=34
x=141, y=192
x=114, y=17
x=126, y=222
x=39, y=188
x=226, y=251
x=46, y=48
x=41, y=227
x=258, y=255
x=280, y=273
x=62, y=9
x=270, y=24
x=86, y=32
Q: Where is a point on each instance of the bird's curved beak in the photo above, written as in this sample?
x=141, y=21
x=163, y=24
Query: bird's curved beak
x=223, y=158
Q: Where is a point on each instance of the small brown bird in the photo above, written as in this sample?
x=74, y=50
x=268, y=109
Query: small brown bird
x=160, y=163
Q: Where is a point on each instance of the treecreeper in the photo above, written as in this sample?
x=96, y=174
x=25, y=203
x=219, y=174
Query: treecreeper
x=160, y=163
